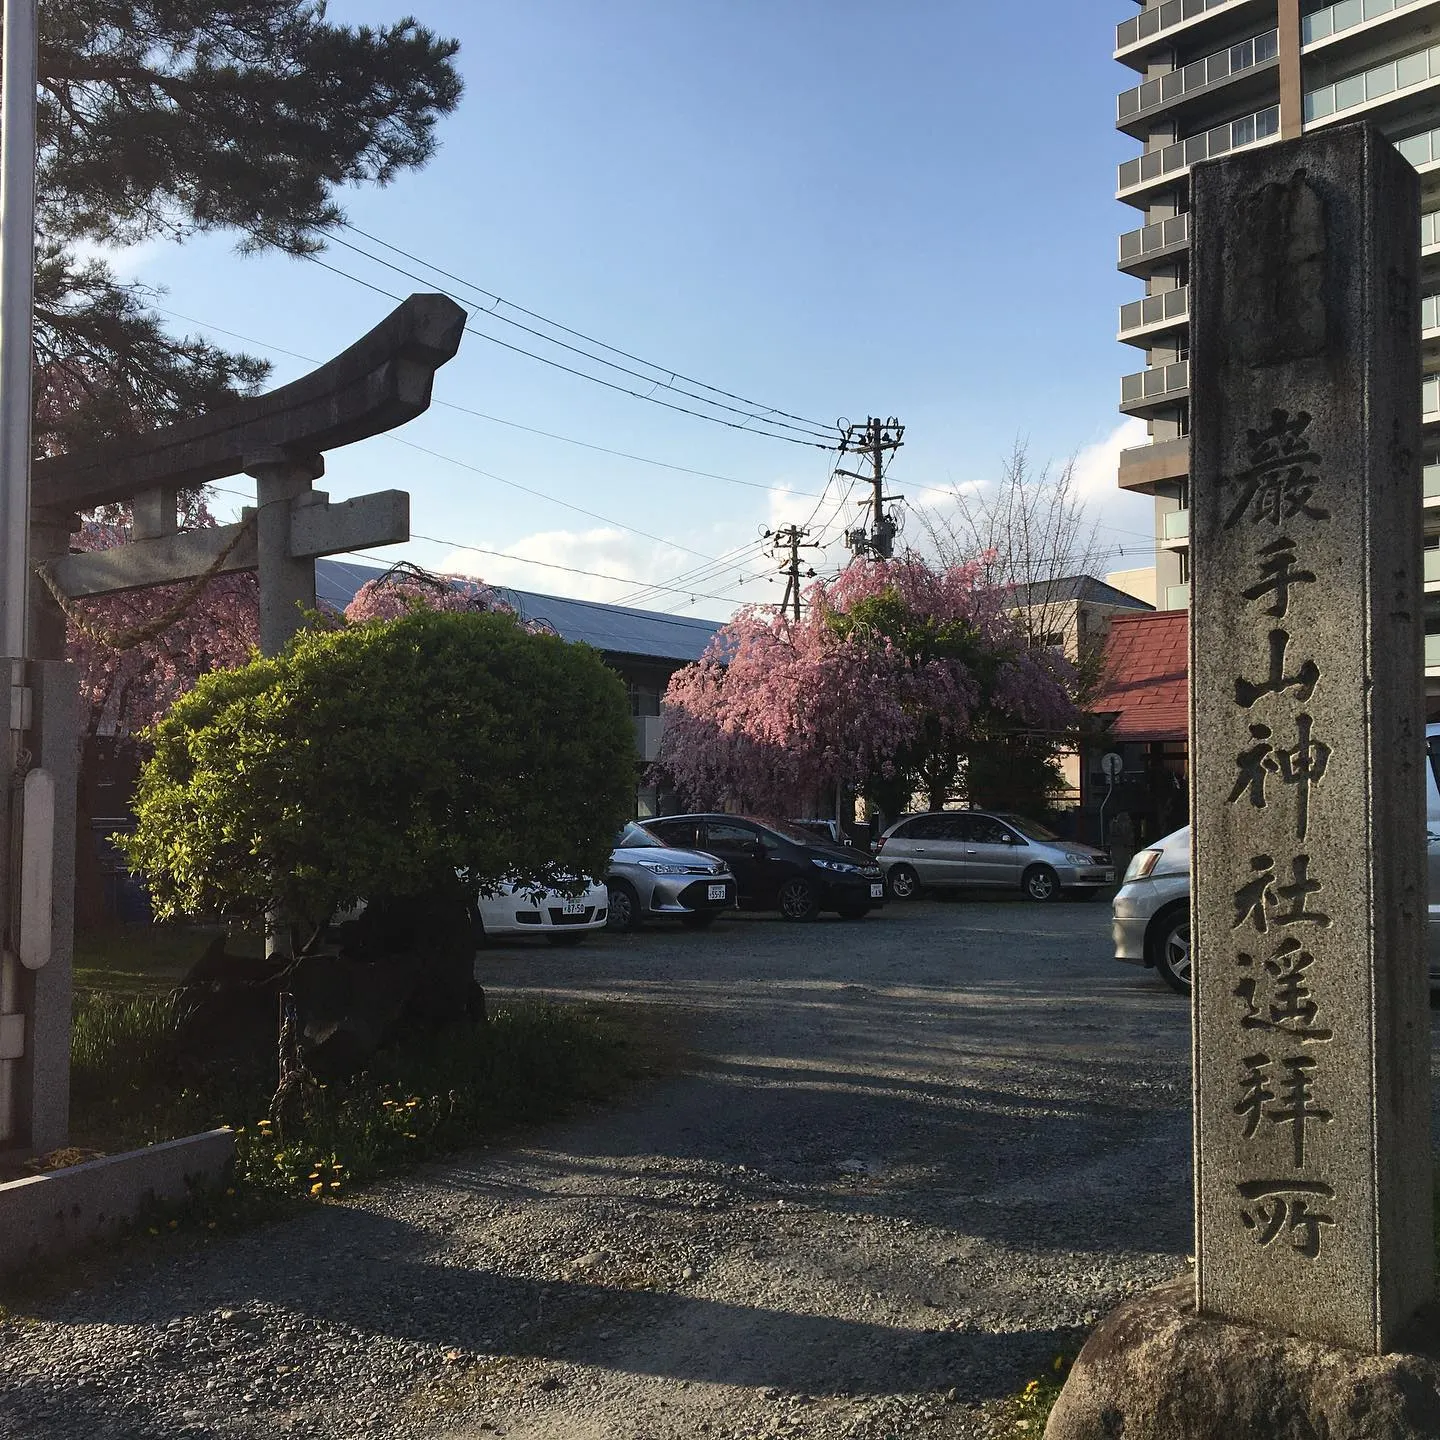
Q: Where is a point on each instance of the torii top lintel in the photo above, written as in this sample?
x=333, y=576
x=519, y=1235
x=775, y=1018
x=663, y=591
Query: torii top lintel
x=381, y=381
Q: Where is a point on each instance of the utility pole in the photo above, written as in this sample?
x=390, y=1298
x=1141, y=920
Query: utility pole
x=874, y=440
x=792, y=539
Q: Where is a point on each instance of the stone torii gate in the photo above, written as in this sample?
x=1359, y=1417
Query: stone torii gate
x=280, y=438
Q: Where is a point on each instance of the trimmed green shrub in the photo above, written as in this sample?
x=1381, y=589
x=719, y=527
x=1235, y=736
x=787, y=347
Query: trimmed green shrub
x=398, y=758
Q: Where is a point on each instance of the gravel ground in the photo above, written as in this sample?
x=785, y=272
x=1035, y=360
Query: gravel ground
x=908, y=1161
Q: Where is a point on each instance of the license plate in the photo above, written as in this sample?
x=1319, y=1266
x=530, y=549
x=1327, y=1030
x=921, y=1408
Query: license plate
x=573, y=907
x=718, y=892
x=877, y=891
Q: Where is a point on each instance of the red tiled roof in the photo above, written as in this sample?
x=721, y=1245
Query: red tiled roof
x=1147, y=662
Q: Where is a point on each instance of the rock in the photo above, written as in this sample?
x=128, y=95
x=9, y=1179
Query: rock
x=1155, y=1370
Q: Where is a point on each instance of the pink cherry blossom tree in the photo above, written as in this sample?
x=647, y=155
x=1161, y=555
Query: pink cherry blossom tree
x=129, y=677
x=407, y=587
x=897, y=671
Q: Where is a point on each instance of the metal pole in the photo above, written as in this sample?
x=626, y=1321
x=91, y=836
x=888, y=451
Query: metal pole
x=17, y=285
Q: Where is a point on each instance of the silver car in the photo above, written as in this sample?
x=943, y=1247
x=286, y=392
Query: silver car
x=648, y=879
x=954, y=849
x=1151, y=913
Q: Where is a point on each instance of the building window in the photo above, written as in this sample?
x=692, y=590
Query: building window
x=644, y=699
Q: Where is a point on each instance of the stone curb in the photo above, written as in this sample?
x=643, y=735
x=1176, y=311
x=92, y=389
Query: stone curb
x=49, y=1214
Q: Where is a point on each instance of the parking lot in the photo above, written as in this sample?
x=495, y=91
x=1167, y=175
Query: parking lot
x=901, y=1164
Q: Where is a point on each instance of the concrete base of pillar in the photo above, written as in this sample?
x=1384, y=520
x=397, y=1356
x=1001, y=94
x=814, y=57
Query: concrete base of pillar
x=1155, y=1370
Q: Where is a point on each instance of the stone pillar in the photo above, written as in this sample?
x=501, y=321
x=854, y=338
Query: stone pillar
x=287, y=585
x=1313, y=1171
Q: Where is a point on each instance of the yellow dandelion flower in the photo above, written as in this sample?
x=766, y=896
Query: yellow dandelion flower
x=411, y=1135
x=316, y=1189
x=230, y=1190
x=411, y=1104
x=1059, y=1363
x=174, y=1224
x=210, y=1226
x=334, y=1184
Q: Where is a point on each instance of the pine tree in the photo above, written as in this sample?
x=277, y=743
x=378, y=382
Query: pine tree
x=174, y=118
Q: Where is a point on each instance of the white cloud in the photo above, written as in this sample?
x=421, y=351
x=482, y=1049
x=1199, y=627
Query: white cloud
x=1097, y=465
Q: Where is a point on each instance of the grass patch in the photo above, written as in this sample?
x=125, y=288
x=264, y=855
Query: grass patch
x=141, y=959
x=527, y=1063
x=1027, y=1412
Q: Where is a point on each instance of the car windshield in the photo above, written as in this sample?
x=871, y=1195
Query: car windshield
x=1029, y=829
x=634, y=837
x=797, y=833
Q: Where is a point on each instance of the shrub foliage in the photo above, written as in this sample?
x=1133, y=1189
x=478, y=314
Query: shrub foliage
x=398, y=758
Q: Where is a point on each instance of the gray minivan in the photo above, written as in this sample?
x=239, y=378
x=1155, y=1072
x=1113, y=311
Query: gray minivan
x=960, y=849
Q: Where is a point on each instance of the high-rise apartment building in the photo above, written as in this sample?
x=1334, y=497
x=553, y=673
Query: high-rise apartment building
x=1221, y=75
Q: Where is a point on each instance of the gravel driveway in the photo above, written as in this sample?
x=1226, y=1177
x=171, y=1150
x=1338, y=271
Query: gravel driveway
x=909, y=1161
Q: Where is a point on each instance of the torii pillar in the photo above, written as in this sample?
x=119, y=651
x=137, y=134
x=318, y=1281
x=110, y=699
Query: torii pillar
x=280, y=438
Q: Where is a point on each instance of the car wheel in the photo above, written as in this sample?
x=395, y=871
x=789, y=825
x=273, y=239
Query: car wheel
x=854, y=912
x=624, y=913
x=700, y=920
x=1171, y=951
x=904, y=882
x=797, y=900
x=568, y=938
x=1041, y=883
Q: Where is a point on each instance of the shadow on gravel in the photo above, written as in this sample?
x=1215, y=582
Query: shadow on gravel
x=355, y=1284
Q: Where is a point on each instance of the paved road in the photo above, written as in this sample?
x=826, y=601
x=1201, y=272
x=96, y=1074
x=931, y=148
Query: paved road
x=910, y=1160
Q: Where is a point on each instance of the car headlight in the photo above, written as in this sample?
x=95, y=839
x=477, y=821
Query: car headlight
x=1081, y=859
x=1142, y=864
x=658, y=867
x=843, y=867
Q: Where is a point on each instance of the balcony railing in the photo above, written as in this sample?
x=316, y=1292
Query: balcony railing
x=1136, y=244
x=1171, y=159
x=1430, y=229
x=1430, y=482
x=1430, y=312
x=1432, y=567
x=1322, y=24
x=1151, y=384
x=1422, y=149
x=1176, y=525
x=1430, y=398
x=1432, y=652
x=1393, y=77
x=1198, y=74
x=1177, y=597
x=1153, y=309
x=1161, y=17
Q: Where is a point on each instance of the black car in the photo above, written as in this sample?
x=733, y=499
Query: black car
x=778, y=866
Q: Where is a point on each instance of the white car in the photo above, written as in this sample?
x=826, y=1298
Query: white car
x=518, y=908
x=1151, y=910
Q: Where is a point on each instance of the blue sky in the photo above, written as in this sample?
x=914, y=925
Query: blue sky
x=832, y=208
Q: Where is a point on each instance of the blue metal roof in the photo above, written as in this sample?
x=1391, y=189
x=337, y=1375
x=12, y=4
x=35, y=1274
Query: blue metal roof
x=612, y=628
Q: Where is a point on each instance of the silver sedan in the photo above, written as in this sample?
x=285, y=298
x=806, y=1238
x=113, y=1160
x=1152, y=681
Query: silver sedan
x=648, y=879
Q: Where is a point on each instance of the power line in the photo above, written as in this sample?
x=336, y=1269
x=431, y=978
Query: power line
x=496, y=419
x=579, y=334
x=652, y=398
